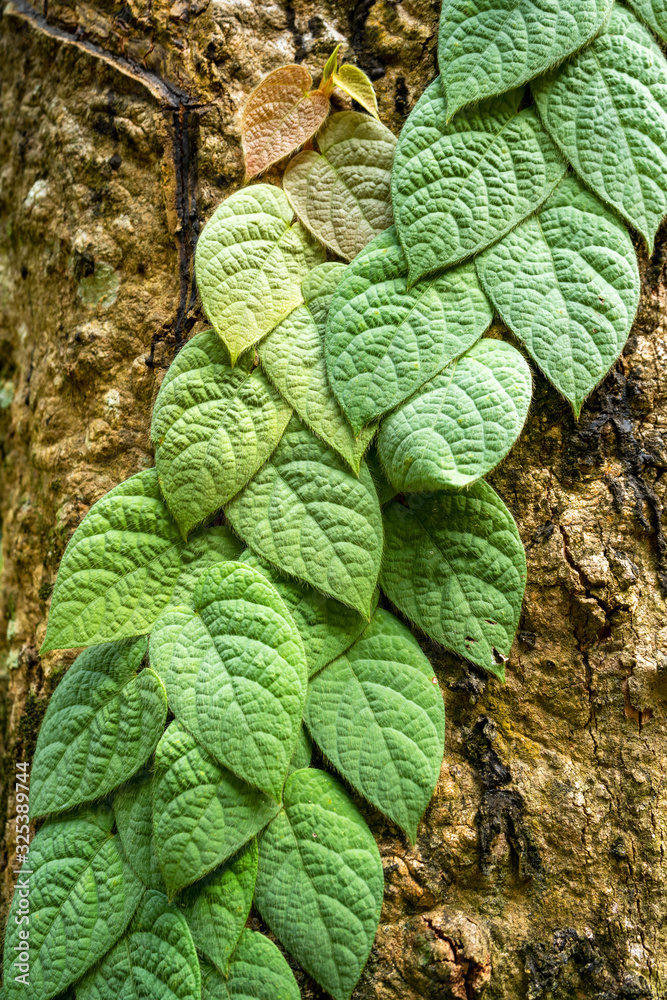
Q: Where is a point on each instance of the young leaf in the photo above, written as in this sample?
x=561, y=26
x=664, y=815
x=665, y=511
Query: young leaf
x=202, y=813
x=293, y=357
x=459, y=186
x=343, y=195
x=653, y=13
x=103, y=722
x=487, y=47
x=384, y=340
x=257, y=971
x=566, y=282
x=82, y=894
x=125, y=563
x=235, y=672
x=354, y=82
x=133, y=809
x=280, y=115
x=377, y=714
x=461, y=424
x=309, y=516
x=155, y=958
x=455, y=565
x=250, y=262
x=217, y=907
x=606, y=109
x=320, y=881
x=213, y=427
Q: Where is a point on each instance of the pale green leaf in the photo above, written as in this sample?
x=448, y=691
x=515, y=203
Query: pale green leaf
x=213, y=427
x=654, y=13
x=384, y=340
x=354, y=82
x=461, y=424
x=606, y=109
x=566, y=282
x=459, y=186
x=343, y=196
x=250, y=262
x=202, y=813
x=455, y=565
x=377, y=714
x=133, y=809
x=308, y=515
x=257, y=971
x=320, y=881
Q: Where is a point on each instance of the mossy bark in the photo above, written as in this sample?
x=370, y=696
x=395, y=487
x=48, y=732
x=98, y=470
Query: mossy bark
x=539, y=869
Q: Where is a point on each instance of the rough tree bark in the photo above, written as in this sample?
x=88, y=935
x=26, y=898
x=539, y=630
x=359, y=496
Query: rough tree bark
x=539, y=870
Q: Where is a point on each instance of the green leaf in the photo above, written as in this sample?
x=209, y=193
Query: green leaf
x=303, y=752
x=133, y=809
x=330, y=66
x=217, y=907
x=343, y=196
x=156, y=958
x=377, y=714
x=125, y=563
x=461, y=424
x=235, y=672
x=213, y=427
x=293, y=357
x=606, y=109
x=103, y=722
x=459, y=186
x=81, y=896
x=257, y=971
x=654, y=13
x=320, y=881
x=354, y=82
x=566, y=282
x=202, y=813
x=383, y=487
x=305, y=513
x=384, y=340
x=250, y=262
x=455, y=565
x=487, y=47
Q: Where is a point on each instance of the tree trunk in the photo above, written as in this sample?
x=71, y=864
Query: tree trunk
x=539, y=870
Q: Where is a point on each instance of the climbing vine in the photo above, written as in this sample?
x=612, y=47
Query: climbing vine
x=342, y=417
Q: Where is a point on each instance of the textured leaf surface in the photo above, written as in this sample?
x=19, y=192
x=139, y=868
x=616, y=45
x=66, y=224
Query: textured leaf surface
x=354, y=82
x=566, y=282
x=606, y=108
x=309, y=516
x=235, y=672
x=213, y=427
x=202, y=813
x=303, y=752
x=257, y=971
x=279, y=116
x=487, y=47
x=461, y=424
x=459, y=187
x=377, y=714
x=455, y=565
x=344, y=195
x=82, y=895
x=217, y=907
x=156, y=958
x=125, y=563
x=133, y=809
x=250, y=262
x=293, y=357
x=383, y=340
x=320, y=881
x=654, y=13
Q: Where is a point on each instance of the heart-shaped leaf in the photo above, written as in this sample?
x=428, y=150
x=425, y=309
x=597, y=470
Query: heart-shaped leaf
x=213, y=427
x=606, y=109
x=82, y=894
x=566, y=282
x=257, y=971
x=235, y=672
x=354, y=82
x=250, y=262
x=280, y=115
x=455, y=565
x=202, y=813
x=344, y=195
x=384, y=340
x=320, y=881
x=653, y=13
x=461, y=424
x=103, y=722
x=377, y=714
x=487, y=47
x=125, y=563
x=459, y=186
x=308, y=515
x=133, y=809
